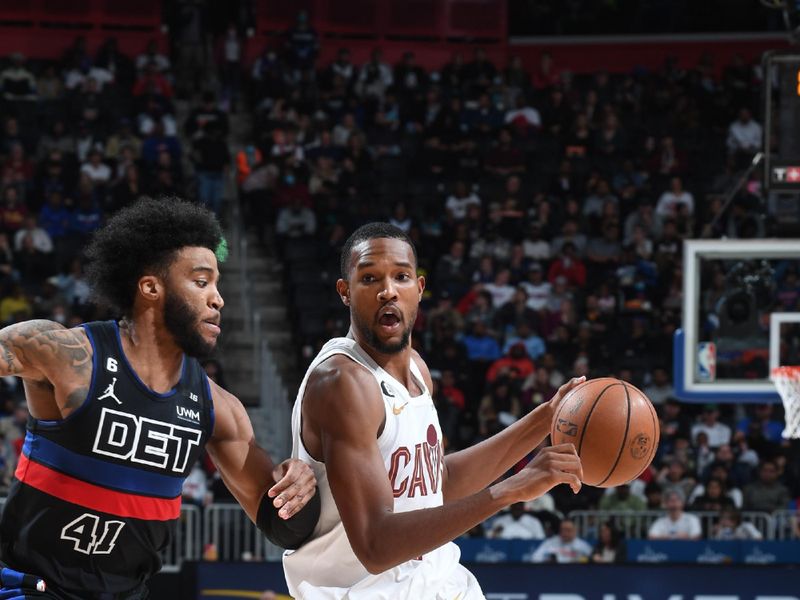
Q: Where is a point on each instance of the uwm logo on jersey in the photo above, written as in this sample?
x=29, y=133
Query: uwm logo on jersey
x=418, y=471
x=145, y=441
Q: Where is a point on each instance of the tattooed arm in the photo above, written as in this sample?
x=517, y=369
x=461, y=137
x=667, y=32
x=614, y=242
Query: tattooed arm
x=54, y=362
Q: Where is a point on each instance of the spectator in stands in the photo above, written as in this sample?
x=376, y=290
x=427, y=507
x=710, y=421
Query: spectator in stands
x=676, y=525
x=481, y=346
x=515, y=524
x=676, y=476
x=302, y=44
x=212, y=163
x=205, y=116
x=610, y=547
x=525, y=335
x=151, y=81
x=458, y=202
x=767, y=493
x=672, y=199
x=621, y=499
x=546, y=75
x=660, y=387
x=195, y=487
x=744, y=135
x=295, y=221
x=523, y=118
x=49, y=86
x=568, y=265
x=374, y=79
x=515, y=364
x=480, y=73
x=15, y=305
x=151, y=56
x=98, y=172
x=230, y=65
x=738, y=472
x=760, y=419
x=731, y=527
x=123, y=137
x=39, y=238
x=538, y=386
x=500, y=289
x=17, y=83
x=110, y=59
x=12, y=211
x=718, y=433
x=566, y=547
x=715, y=497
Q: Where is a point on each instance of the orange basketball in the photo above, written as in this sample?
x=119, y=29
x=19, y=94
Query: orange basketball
x=614, y=428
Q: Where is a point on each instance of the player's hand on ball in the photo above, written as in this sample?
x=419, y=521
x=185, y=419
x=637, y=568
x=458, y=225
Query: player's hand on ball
x=551, y=466
x=295, y=486
x=565, y=389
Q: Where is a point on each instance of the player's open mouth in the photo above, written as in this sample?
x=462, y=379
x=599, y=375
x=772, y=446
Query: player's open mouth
x=389, y=320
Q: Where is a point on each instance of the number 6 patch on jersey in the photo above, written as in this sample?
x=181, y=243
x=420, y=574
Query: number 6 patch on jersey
x=89, y=537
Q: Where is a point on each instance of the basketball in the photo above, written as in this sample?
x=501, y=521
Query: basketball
x=614, y=428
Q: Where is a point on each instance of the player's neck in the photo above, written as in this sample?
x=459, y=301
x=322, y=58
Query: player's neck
x=151, y=352
x=397, y=364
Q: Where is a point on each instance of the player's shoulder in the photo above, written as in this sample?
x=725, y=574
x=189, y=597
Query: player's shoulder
x=342, y=383
x=339, y=372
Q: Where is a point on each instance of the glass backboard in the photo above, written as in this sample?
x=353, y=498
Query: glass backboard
x=741, y=316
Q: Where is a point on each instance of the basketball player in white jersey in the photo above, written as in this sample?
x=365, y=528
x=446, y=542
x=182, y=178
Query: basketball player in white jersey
x=365, y=421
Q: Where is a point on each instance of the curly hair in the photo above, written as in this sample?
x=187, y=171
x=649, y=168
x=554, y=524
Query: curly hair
x=143, y=238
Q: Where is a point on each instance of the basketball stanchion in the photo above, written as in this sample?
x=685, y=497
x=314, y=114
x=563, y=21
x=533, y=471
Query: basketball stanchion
x=787, y=380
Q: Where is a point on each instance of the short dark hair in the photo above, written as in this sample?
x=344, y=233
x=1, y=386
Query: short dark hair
x=142, y=238
x=372, y=231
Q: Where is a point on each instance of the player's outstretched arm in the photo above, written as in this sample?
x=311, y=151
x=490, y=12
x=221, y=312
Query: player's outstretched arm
x=473, y=468
x=343, y=411
x=280, y=499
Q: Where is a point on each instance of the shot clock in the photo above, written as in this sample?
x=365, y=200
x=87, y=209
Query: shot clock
x=782, y=120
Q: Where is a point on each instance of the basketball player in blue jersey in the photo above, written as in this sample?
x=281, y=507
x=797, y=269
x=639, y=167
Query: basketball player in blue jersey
x=365, y=420
x=120, y=411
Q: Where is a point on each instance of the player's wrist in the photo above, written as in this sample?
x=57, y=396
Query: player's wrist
x=504, y=494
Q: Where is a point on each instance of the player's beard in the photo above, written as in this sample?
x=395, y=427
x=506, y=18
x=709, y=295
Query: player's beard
x=183, y=323
x=375, y=342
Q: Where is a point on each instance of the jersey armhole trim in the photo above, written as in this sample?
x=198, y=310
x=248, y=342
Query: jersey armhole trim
x=211, y=415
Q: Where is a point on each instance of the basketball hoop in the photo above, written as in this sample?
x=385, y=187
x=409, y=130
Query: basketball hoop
x=787, y=380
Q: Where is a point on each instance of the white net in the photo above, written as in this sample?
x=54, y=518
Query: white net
x=787, y=380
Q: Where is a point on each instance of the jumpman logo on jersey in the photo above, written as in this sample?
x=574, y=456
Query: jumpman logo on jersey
x=109, y=393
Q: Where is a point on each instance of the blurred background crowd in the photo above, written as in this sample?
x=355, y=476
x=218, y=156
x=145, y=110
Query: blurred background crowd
x=548, y=209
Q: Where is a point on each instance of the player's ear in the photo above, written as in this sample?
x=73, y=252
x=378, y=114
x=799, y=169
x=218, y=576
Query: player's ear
x=150, y=287
x=344, y=291
x=421, y=286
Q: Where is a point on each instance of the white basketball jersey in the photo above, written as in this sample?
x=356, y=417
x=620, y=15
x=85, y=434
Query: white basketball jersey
x=325, y=567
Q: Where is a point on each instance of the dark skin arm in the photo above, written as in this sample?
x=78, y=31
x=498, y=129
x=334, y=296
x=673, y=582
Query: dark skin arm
x=247, y=469
x=342, y=415
x=472, y=469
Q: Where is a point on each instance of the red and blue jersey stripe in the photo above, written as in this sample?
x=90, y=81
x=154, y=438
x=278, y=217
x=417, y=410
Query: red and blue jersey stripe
x=114, y=489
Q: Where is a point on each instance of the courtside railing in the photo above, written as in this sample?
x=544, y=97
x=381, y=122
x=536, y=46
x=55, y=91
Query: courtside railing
x=230, y=535
x=636, y=524
x=185, y=541
x=787, y=524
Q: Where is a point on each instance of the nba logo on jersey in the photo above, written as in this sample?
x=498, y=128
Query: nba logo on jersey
x=706, y=361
